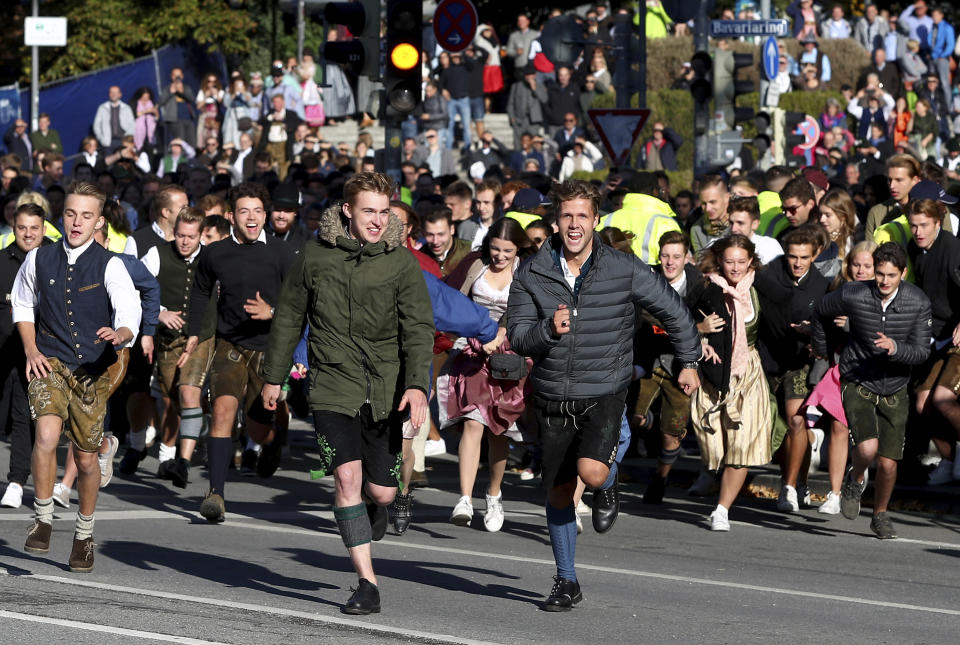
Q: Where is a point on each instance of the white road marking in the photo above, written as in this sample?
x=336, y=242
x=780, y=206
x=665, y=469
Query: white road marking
x=104, y=629
x=279, y=611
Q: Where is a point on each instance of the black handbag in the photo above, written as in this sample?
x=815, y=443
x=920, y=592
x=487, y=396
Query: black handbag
x=508, y=367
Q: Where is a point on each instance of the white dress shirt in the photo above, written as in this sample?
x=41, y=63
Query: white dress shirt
x=130, y=248
x=124, y=298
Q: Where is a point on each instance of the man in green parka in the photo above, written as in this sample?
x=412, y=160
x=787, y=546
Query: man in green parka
x=370, y=348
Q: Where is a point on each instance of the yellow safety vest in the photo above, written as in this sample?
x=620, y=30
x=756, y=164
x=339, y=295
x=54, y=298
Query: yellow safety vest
x=49, y=231
x=772, y=220
x=116, y=242
x=897, y=230
x=525, y=219
x=648, y=218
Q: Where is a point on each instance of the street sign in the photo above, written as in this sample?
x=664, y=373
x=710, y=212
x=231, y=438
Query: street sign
x=810, y=129
x=455, y=24
x=735, y=28
x=618, y=129
x=45, y=32
x=771, y=58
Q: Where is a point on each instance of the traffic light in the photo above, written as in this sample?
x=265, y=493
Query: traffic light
x=700, y=89
x=403, y=78
x=785, y=140
x=726, y=87
x=362, y=20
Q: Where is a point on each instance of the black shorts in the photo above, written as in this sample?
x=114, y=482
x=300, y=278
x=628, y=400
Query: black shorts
x=376, y=445
x=581, y=429
x=139, y=371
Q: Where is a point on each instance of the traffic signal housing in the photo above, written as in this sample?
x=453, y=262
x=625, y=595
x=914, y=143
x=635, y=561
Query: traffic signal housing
x=403, y=77
x=362, y=53
x=726, y=87
x=785, y=125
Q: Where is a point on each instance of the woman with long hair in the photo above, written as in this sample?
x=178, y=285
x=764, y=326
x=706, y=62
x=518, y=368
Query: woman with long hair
x=209, y=100
x=486, y=403
x=838, y=214
x=145, y=109
x=731, y=411
x=824, y=405
x=237, y=102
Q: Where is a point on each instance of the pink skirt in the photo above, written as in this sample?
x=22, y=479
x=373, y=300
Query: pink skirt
x=472, y=392
x=826, y=396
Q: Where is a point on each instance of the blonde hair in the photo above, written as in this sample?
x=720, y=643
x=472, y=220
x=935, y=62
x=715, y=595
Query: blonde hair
x=373, y=182
x=866, y=246
x=36, y=199
x=840, y=202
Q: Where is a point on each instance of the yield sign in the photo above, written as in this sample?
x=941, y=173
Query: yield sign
x=455, y=24
x=618, y=129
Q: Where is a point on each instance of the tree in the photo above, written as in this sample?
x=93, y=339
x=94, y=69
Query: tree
x=106, y=32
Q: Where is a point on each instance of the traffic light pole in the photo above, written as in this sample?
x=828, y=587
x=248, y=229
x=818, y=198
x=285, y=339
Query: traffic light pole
x=393, y=138
x=701, y=109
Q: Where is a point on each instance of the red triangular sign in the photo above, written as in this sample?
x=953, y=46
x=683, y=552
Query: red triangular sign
x=618, y=129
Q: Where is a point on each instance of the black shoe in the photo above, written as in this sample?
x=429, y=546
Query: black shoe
x=402, y=512
x=564, y=595
x=883, y=527
x=269, y=460
x=131, y=461
x=655, y=490
x=379, y=517
x=180, y=473
x=248, y=463
x=365, y=600
x=163, y=470
x=606, y=507
x=213, y=508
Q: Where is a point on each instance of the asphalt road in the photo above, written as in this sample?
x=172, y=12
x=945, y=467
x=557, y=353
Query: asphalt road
x=276, y=571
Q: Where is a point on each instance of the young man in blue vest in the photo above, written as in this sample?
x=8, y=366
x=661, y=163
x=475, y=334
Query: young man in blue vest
x=73, y=304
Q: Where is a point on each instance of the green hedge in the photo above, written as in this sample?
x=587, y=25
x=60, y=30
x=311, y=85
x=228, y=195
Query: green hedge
x=674, y=108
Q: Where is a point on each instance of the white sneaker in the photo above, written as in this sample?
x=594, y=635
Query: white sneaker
x=13, y=496
x=942, y=474
x=706, y=484
x=832, y=505
x=527, y=474
x=818, y=437
x=61, y=495
x=151, y=436
x=582, y=507
x=493, y=516
x=462, y=513
x=803, y=495
x=434, y=447
x=579, y=525
x=719, y=521
x=787, y=502
x=106, y=460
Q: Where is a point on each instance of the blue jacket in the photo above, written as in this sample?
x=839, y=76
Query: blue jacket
x=946, y=40
x=149, y=290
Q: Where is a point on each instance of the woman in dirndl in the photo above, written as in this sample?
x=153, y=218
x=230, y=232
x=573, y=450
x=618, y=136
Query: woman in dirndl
x=731, y=411
x=467, y=391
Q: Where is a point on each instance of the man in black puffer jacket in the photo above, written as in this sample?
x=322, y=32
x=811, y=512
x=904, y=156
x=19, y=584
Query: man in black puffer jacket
x=572, y=310
x=890, y=324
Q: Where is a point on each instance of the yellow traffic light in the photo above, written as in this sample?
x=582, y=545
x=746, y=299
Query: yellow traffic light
x=405, y=56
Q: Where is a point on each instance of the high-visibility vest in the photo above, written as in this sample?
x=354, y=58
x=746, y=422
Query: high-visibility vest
x=406, y=196
x=525, y=219
x=648, y=218
x=896, y=230
x=116, y=242
x=49, y=231
x=772, y=220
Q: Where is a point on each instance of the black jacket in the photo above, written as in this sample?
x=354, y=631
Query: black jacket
x=653, y=348
x=596, y=357
x=907, y=321
x=937, y=272
x=781, y=346
x=10, y=260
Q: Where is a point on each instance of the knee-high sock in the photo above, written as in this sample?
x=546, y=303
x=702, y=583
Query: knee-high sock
x=562, y=524
x=219, y=452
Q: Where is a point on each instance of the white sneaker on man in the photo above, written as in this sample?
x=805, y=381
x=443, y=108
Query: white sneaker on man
x=493, y=516
x=434, y=447
x=13, y=496
x=942, y=474
x=61, y=495
x=106, y=459
x=832, y=505
x=787, y=502
x=462, y=513
x=719, y=520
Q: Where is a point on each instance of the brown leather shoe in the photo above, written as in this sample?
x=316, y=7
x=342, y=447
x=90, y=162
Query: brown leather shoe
x=38, y=538
x=81, y=556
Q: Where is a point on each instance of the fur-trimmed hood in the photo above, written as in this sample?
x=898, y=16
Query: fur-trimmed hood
x=333, y=225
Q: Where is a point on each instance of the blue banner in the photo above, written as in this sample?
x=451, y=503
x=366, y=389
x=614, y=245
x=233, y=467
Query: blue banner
x=9, y=106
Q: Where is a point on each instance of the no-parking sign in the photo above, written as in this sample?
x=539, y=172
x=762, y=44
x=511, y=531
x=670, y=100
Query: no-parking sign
x=455, y=24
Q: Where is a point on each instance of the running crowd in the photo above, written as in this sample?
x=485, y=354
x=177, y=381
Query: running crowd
x=779, y=314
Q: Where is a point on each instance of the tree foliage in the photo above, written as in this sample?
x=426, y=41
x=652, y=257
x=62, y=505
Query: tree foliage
x=107, y=32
